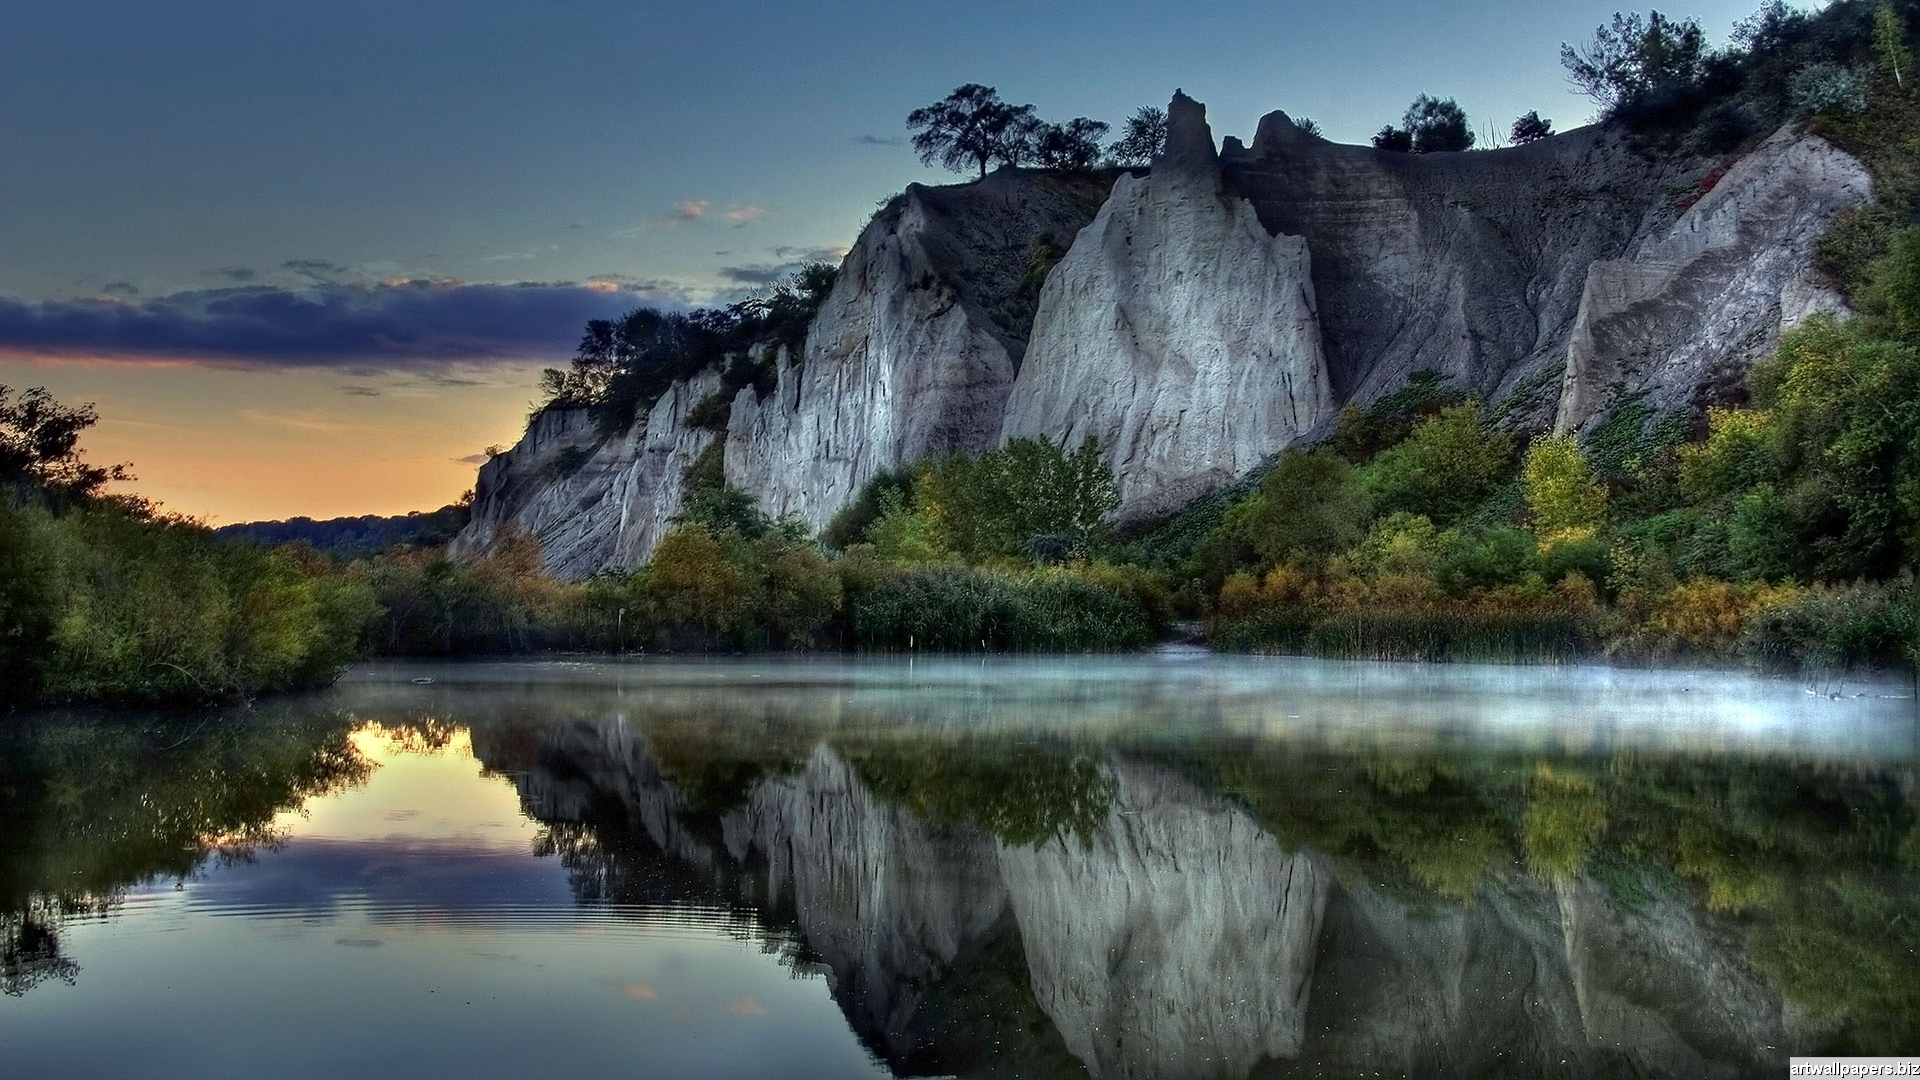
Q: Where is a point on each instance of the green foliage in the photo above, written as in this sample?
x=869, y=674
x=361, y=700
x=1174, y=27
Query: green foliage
x=1839, y=628
x=141, y=610
x=1567, y=502
x=1446, y=467
x=1310, y=505
x=1362, y=433
x=998, y=504
x=854, y=519
x=624, y=365
x=1828, y=88
x=953, y=608
x=1890, y=44
x=704, y=586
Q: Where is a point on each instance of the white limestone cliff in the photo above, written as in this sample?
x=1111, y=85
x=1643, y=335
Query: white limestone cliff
x=1176, y=333
x=1695, y=304
x=605, y=510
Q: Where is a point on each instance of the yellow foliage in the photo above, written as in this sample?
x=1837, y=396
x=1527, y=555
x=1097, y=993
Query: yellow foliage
x=1567, y=502
x=1709, y=615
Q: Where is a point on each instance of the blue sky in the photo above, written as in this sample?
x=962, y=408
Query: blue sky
x=208, y=157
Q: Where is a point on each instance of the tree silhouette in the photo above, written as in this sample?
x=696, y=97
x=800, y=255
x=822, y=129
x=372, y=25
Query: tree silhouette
x=40, y=446
x=972, y=127
x=1145, y=137
x=1073, y=146
x=1437, y=126
x=1530, y=128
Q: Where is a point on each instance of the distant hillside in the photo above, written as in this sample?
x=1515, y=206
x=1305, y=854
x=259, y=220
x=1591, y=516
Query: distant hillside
x=349, y=537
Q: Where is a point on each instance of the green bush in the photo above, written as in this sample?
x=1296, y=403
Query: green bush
x=952, y=608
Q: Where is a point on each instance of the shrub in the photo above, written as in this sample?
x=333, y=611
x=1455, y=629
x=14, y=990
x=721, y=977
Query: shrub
x=959, y=609
x=1838, y=628
x=1308, y=505
x=702, y=586
x=1828, y=88
x=1447, y=466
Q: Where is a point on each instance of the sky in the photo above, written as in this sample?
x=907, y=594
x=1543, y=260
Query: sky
x=308, y=259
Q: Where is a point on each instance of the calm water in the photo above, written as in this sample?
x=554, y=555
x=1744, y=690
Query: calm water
x=1174, y=865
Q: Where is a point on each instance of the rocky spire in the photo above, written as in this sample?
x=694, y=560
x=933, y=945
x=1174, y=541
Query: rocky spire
x=1189, y=150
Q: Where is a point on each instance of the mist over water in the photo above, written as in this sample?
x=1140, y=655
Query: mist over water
x=1166, y=865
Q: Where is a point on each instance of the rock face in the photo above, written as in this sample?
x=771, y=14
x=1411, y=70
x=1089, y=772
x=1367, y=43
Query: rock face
x=1692, y=306
x=1225, y=306
x=1177, y=334
x=593, y=503
x=915, y=351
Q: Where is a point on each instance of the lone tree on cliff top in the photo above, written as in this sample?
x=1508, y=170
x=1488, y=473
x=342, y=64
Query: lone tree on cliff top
x=973, y=127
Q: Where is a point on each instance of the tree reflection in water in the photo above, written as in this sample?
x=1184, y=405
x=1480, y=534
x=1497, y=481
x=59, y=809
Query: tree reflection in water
x=92, y=805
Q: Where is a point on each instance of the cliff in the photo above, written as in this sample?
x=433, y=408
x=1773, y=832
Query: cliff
x=1224, y=306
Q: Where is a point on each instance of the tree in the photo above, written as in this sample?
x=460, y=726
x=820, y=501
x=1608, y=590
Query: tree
x=1394, y=139
x=1568, y=503
x=1635, y=56
x=1530, y=128
x=1308, y=126
x=1309, y=506
x=40, y=447
x=972, y=127
x=1889, y=43
x=1436, y=126
x=1446, y=467
x=1145, y=138
x=1073, y=146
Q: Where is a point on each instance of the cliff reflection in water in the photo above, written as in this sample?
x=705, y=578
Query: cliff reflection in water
x=1072, y=869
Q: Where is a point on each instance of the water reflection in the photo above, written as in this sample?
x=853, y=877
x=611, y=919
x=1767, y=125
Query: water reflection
x=1139, y=868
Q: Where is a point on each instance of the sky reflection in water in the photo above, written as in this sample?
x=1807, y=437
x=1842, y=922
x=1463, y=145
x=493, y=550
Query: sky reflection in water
x=1172, y=865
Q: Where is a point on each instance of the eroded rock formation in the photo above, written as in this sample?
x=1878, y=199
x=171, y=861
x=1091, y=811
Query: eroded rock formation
x=1221, y=308
x=1177, y=334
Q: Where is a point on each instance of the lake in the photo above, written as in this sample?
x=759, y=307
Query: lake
x=1174, y=864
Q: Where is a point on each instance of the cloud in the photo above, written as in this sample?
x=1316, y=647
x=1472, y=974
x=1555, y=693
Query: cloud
x=743, y=215
x=691, y=210
x=880, y=140
x=236, y=273
x=314, y=268
x=359, y=328
x=359, y=391
x=640, y=991
x=747, y=1006
x=473, y=459
x=121, y=288
x=759, y=273
x=810, y=254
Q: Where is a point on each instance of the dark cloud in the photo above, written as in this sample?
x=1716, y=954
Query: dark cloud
x=236, y=273
x=474, y=459
x=356, y=327
x=121, y=288
x=759, y=274
x=359, y=391
x=318, y=268
x=880, y=140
